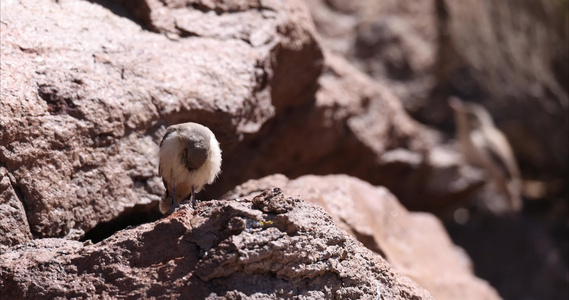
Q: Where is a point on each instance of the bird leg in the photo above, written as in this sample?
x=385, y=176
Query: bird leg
x=193, y=196
x=174, y=201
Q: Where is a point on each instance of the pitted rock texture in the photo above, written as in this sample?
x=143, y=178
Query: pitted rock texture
x=88, y=88
x=284, y=27
x=267, y=247
x=86, y=96
x=415, y=244
x=14, y=227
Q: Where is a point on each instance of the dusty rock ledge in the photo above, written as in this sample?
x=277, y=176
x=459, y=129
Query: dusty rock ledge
x=414, y=244
x=269, y=246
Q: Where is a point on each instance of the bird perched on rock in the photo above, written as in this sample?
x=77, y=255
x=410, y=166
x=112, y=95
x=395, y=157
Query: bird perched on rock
x=190, y=158
x=484, y=146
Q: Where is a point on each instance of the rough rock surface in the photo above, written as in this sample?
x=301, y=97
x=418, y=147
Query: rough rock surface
x=86, y=96
x=284, y=28
x=512, y=56
x=14, y=227
x=266, y=247
x=357, y=127
x=395, y=42
x=88, y=88
x=415, y=244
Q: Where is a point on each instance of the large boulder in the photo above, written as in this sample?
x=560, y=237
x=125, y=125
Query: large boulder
x=266, y=247
x=415, y=244
x=395, y=42
x=14, y=226
x=86, y=96
x=358, y=127
x=511, y=56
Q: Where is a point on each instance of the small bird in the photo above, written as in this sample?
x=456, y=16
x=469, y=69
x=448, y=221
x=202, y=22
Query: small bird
x=484, y=146
x=190, y=158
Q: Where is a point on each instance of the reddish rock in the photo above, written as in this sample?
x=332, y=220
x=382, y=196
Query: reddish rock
x=517, y=55
x=87, y=94
x=88, y=88
x=357, y=127
x=415, y=244
x=285, y=28
x=513, y=57
x=270, y=246
x=14, y=227
x=395, y=42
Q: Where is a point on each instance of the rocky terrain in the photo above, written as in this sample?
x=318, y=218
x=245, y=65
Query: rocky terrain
x=301, y=88
x=265, y=247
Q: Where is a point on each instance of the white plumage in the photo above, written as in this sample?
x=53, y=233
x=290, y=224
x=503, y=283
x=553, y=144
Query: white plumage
x=190, y=158
x=484, y=146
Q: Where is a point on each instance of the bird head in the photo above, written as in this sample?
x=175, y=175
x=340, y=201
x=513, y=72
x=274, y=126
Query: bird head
x=472, y=115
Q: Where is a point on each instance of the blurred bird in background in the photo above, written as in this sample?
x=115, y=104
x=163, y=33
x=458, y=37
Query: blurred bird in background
x=484, y=146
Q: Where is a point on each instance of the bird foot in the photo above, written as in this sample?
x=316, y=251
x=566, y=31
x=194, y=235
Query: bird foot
x=175, y=207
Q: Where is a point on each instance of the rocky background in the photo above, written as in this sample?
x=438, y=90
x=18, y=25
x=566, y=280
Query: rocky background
x=307, y=89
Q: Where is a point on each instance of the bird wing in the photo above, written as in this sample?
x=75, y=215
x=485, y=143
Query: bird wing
x=166, y=185
x=169, y=131
x=499, y=151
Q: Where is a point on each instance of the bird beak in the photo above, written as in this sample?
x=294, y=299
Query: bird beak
x=456, y=104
